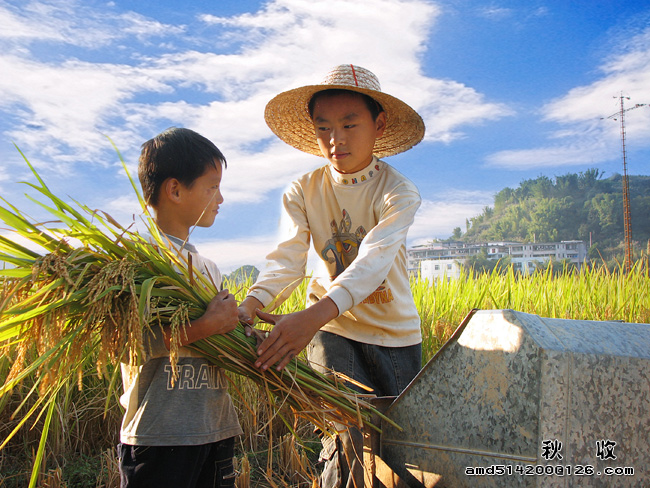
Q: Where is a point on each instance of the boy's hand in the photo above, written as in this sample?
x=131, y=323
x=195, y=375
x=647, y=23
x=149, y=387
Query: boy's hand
x=289, y=336
x=291, y=333
x=259, y=334
x=221, y=315
x=247, y=309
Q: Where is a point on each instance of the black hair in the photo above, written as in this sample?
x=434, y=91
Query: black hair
x=373, y=105
x=175, y=153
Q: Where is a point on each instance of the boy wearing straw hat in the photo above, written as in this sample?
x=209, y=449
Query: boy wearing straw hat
x=360, y=318
x=181, y=433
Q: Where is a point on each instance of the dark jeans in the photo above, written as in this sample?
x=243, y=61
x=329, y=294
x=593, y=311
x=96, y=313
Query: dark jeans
x=203, y=466
x=387, y=370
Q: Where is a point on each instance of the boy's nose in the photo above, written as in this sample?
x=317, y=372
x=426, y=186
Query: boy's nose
x=336, y=137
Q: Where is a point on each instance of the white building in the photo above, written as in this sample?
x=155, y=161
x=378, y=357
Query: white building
x=443, y=260
x=440, y=269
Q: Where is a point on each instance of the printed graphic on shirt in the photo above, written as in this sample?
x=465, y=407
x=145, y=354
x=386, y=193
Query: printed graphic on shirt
x=380, y=295
x=343, y=247
x=208, y=376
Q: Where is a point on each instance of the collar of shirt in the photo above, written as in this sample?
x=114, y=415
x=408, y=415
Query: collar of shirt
x=366, y=174
x=181, y=243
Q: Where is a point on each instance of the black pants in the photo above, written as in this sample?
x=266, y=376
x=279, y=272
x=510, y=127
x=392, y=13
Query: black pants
x=204, y=466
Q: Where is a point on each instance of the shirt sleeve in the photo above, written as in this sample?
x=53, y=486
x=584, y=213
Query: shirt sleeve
x=378, y=250
x=286, y=265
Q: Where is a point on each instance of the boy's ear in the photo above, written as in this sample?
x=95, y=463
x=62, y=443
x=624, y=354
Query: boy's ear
x=172, y=189
x=380, y=123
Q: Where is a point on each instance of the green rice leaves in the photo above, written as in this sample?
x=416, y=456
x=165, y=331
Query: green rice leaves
x=92, y=292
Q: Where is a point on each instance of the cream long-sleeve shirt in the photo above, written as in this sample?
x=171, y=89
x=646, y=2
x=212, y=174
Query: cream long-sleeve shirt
x=357, y=224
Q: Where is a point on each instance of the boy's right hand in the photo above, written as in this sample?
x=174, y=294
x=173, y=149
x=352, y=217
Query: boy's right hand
x=247, y=310
x=221, y=315
x=247, y=314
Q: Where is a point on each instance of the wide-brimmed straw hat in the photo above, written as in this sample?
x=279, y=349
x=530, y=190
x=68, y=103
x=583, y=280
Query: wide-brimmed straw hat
x=288, y=114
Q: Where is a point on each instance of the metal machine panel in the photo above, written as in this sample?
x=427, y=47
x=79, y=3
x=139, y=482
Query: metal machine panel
x=513, y=399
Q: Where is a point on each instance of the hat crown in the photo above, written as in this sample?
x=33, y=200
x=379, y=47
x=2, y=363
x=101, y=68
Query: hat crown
x=352, y=76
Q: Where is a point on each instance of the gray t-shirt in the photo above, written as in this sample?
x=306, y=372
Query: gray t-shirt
x=196, y=409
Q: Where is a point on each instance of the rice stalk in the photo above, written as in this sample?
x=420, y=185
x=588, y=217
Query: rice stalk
x=96, y=300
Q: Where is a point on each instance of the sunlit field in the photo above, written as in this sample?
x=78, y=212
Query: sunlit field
x=276, y=452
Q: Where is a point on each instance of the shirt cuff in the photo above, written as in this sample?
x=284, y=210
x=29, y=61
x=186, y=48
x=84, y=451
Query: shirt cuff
x=263, y=296
x=341, y=298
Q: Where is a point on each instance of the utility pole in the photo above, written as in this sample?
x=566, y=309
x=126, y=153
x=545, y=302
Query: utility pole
x=627, y=219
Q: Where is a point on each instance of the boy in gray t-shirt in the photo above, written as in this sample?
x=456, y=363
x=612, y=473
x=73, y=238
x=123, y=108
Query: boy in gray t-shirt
x=181, y=433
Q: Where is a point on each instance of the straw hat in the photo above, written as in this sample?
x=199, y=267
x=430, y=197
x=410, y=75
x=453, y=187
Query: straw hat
x=288, y=115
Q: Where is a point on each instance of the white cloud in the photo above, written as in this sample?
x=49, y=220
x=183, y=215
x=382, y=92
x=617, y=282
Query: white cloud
x=437, y=219
x=522, y=13
x=74, y=22
x=250, y=176
x=547, y=157
x=64, y=109
x=19, y=28
x=587, y=134
x=447, y=106
x=496, y=13
x=230, y=254
x=122, y=209
x=62, y=106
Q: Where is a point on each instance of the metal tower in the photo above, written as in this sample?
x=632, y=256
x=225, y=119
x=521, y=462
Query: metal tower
x=626, y=186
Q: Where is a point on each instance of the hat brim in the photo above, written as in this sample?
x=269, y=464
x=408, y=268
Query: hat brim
x=287, y=115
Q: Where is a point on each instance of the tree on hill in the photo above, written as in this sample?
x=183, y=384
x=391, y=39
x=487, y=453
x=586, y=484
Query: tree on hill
x=242, y=275
x=582, y=206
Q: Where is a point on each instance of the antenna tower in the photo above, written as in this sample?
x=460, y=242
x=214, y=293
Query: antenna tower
x=627, y=219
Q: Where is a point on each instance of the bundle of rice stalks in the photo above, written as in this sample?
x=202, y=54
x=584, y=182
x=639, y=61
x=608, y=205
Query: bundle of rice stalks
x=95, y=290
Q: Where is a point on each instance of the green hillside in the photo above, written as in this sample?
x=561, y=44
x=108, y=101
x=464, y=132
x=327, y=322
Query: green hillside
x=582, y=206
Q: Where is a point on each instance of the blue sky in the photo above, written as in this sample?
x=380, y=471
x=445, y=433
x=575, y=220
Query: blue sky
x=509, y=90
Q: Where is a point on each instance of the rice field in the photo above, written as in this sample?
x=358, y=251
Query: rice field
x=272, y=452
x=595, y=293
